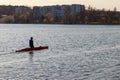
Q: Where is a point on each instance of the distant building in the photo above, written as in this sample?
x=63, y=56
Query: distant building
x=76, y=8
x=36, y=11
x=22, y=9
x=60, y=10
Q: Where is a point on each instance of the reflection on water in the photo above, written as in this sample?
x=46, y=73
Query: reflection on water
x=31, y=54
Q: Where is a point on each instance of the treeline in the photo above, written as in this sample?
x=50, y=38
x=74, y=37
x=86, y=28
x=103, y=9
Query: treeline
x=96, y=16
x=23, y=14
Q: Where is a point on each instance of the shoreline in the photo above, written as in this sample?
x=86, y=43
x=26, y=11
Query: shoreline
x=61, y=24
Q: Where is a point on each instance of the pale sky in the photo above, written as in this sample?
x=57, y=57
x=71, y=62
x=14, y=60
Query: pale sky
x=99, y=4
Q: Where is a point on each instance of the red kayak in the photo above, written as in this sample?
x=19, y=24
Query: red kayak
x=31, y=49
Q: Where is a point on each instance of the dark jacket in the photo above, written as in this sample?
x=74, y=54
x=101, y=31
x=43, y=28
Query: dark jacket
x=31, y=43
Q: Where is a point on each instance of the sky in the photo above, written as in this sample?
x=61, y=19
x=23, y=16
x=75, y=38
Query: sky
x=98, y=4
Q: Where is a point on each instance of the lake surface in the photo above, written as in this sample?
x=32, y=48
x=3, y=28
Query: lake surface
x=76, y=52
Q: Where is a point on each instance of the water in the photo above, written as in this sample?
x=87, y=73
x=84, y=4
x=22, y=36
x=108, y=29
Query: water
x=76, y=52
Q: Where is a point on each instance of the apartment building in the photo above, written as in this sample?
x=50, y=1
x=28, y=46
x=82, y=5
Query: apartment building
x=60, y=10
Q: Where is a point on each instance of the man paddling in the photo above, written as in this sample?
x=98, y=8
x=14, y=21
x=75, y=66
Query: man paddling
x=31, y=43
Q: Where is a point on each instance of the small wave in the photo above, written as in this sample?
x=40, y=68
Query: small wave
x=6, y=53
x=102, y=49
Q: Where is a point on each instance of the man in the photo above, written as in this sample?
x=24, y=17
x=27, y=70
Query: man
x=31, y=43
